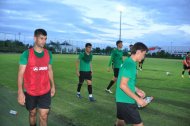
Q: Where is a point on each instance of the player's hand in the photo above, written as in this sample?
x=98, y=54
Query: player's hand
x=141, y=102
x=52, y=91
x=141, y=93
x=77, y=72
x=21, y=98
x=108, y=69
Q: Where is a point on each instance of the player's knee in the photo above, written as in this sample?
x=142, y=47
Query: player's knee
x=115, y=79
x=141, y=124
x=44, y=116
x=120, y=123
x=32, y=113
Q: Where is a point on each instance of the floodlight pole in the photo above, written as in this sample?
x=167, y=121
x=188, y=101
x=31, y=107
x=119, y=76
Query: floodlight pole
x=120, y=26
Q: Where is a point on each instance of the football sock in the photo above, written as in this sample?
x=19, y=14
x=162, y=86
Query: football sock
x=90, y=89
x=110, y=84
x=79, y=87
x=33, y=125
x=183, y=72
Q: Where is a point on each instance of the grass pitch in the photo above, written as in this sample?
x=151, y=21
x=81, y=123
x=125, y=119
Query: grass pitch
x=169, y=108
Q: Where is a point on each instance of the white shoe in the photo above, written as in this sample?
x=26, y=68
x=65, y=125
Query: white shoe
x=109, y=91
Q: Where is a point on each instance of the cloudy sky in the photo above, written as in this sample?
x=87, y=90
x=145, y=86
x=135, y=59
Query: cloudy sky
x=154, y=22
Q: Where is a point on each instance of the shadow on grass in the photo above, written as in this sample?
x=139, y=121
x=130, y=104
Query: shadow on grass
x=63, y=120
x=150, y=78
x=9, y=101
x=181, y=91
x=172, y=102
x=155, y=70
x=167, y=116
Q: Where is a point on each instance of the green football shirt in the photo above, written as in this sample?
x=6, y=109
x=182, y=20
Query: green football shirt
x=128, y=70
x=116, y=58
x=85, y=61
x=25, y=54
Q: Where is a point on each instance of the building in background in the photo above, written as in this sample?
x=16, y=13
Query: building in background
x=66, y=47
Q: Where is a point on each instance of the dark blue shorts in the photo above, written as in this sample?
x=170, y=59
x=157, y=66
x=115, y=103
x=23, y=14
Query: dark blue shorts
x=128, y=112
x=43, y=101
x=116, y=72
x=186, y=67
x=85, y=75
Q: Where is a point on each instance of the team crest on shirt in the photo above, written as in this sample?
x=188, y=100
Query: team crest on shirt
x=35, y=69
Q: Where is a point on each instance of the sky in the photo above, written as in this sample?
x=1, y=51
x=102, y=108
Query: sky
x=154, y=22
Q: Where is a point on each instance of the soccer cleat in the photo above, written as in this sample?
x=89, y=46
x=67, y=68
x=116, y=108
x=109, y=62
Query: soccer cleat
x=182, y=76
x=147, y=100
x=91, y=99
x=79, y=96
x=109, y=91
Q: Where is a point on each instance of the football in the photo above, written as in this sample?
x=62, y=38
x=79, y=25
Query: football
x=167, y=73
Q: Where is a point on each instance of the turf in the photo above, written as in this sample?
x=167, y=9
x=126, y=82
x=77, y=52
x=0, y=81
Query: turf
x=169, y=108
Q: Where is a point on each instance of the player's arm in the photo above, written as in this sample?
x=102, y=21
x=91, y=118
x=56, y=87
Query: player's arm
x=50, y=71
x=140, y=92
x=21, y=96
x=77, y=67
x=185, y=62
x=123, y=58
x=125, y=88
x=91, y=67
x=110, y=61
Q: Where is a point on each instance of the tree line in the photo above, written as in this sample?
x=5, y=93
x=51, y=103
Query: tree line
x=18, y=47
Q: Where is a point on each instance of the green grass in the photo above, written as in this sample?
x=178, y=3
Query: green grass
x=169, y=108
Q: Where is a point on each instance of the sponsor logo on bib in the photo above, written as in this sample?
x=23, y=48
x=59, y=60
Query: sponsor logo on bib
x=35, y=69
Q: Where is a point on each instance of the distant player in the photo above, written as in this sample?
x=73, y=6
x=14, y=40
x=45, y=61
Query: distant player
x=84, y=70
x=116, y=60
x=186, y=64
x=141, y=64
x=129, y=52
x=126, y=97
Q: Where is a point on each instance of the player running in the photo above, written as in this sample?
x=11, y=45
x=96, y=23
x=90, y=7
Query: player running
x=186, y=64
x=116, y=61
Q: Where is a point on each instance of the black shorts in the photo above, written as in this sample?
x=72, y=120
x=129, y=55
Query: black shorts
x=186, y=67
x=116, y=72
x=43, y=101
x=128, y=112
x=85, y=75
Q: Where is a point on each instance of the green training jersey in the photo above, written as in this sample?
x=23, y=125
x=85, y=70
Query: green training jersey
x=25, y=54
x=128, y=70
x=85, y=61
x=116, y=58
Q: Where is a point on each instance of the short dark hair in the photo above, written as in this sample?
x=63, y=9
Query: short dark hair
x=138, y=46
x=118, y=41
x=88, y=44
x=40, y=31
x=130, y=46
